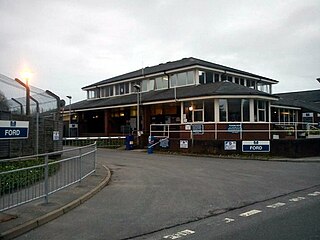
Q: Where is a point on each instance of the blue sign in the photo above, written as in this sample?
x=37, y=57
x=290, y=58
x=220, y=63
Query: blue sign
x=255, y=146
x=14, y=129
x=197, y=129
x=234, y=128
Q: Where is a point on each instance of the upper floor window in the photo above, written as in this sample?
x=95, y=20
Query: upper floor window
x=182, y=79
x=264, y=87
x=93, y=93
x=161, y=82
x=122, y=88
x=147, y=85
x=106, y=91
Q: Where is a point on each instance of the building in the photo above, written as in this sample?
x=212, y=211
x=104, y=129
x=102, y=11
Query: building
x=190, y=99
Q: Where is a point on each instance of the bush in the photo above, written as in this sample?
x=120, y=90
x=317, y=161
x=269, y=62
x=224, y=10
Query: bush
x=10, y=182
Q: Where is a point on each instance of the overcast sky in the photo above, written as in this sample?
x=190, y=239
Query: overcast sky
x=70, y=44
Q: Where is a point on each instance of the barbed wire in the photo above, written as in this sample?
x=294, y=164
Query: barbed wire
x=14, y=96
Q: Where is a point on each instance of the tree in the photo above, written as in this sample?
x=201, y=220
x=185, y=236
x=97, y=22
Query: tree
x=3, y=102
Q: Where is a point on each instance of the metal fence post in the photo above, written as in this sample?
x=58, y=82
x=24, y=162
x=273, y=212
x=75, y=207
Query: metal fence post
x=95, y=155
x=80, y=166
x=46, y=178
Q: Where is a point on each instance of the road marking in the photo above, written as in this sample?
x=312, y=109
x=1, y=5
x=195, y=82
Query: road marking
x=228, y=220
x=297, y=199
x=180, y=234
x=250, y=213
x=314, y=194
x=276, y=205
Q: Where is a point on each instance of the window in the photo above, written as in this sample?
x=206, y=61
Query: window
x=106, y=91
x=181, y=79
x=117, y=89
x=144, y=86
x=245, y=110
x=133, y=89
x=229, y=78
x=234, y=110
x=209, y=77
x=190, y=77
x=193, y=111
x=216, y=77
x=223, y=110
x=260, y=111
x=264, y=87
x=250, y=83
x=151, y=85
x=126, y=87
x=201, y=77
x=209, y=111
x=161, y=82
x=93, y=93
x=121, y=88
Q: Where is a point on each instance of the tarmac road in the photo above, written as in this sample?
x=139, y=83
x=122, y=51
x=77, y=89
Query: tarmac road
x=150, y=193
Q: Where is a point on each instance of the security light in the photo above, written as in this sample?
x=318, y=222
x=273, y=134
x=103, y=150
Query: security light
x=137, y=86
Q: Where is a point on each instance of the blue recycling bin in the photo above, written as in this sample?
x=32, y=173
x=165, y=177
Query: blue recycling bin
x=129, y=142
x=151, y=141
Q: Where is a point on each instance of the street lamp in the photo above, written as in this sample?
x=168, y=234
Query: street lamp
x=138, y=87
x=69, y=115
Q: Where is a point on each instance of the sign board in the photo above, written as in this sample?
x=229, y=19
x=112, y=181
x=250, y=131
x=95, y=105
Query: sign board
x=230, y=145
x=234, y=128
x=197, y=129
x=255, y=146
x=184, y=144
x=14, y=129
x=56, y=136
x=73, y=125
x=187, y=127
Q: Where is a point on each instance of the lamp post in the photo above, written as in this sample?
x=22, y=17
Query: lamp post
x=26, y=75
x=138, y=87
x=69, y=115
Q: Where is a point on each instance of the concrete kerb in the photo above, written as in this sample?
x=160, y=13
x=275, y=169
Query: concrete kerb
x=21, y=229
x=246, y=157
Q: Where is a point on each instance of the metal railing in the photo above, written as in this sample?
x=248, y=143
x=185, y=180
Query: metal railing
x=25, y=179
x=238, y=130
x=107, y=142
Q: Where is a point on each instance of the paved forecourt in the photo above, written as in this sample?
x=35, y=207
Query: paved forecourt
x=149, y=193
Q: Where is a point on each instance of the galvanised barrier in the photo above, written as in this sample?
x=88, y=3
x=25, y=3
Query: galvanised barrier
x=107, y=142
x=25, y=179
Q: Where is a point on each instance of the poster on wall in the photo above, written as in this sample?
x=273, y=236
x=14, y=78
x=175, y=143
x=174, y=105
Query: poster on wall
x=56, y=136
x=184, y=144
x=230, y=145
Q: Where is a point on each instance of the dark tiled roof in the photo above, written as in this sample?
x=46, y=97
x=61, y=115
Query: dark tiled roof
x=309, y=96
x=307, y=100
x=185, y=62
x=213, y=89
